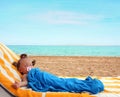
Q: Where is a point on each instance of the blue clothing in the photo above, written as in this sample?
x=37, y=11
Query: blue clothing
x=42, y=81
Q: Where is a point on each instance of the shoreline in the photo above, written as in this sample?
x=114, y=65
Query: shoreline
x=103, y=66
x=69, y=56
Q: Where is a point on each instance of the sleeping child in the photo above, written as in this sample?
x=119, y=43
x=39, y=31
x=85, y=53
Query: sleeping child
x=42, y=81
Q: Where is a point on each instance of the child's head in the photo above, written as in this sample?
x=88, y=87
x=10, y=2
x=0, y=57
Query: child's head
x=23, y=64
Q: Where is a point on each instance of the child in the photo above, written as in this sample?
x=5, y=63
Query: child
x=23, y=66
x=42, y=81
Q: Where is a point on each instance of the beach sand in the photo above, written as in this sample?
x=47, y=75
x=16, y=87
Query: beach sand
x=79, y=65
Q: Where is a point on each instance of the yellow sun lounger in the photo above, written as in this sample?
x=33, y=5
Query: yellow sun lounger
x=9, y=74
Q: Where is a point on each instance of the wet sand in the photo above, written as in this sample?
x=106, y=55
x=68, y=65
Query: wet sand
x=79, y=65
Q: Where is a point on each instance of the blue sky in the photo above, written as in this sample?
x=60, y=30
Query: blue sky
x=60, y=22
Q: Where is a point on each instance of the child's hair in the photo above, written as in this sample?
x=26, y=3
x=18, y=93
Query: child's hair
x=17, y=64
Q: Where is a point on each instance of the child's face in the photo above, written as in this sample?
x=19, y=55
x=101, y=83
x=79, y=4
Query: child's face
x=24, y=63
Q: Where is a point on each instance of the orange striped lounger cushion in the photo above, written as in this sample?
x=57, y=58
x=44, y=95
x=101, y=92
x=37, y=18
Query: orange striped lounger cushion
x=9, y=74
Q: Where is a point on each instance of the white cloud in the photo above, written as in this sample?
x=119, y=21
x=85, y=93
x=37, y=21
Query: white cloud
x=64, y=17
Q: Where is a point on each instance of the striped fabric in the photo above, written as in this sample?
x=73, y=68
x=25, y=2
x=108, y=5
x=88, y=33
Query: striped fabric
x=112, y=87
x=9, y=74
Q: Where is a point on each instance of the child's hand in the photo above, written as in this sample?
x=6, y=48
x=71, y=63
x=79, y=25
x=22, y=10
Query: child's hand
x=16, y=85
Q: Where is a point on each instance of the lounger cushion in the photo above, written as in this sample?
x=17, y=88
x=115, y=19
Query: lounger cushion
x=9, y=74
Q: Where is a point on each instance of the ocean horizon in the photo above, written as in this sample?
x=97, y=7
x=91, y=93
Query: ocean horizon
x=51, y=50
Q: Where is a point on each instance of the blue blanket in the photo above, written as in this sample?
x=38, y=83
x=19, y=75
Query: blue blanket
x=42, y=81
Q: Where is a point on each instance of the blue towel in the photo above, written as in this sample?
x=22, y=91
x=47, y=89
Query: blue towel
x=42, y=81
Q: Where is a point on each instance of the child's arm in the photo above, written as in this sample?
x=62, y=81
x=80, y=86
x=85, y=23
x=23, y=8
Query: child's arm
x=22, y=83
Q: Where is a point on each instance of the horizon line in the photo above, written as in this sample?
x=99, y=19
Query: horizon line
x=60, y=45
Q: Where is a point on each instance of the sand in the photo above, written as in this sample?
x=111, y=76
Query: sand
x=79, y=65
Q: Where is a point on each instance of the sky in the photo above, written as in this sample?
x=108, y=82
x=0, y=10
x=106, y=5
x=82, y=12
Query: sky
x=60, y=22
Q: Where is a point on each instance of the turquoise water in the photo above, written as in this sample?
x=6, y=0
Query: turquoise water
x=66, y=50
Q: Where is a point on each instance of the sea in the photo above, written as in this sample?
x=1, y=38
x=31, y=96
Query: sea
x=51, y=50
